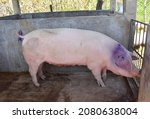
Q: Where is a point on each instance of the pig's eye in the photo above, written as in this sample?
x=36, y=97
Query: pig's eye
x=121, y=57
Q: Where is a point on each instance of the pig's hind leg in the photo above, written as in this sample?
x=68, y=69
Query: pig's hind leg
x=40, y=71
x=33, y=69
x=104, y=75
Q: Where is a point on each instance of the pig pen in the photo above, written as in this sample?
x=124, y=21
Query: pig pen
x=62, y=83
x=63, y=86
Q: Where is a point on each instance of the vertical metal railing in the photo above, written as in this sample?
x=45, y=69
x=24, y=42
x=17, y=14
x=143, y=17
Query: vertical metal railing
x=137, y=40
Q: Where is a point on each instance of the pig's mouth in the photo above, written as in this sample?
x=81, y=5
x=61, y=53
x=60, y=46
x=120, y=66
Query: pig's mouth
x=127, y=68
x=131, y=71
x=136, y=74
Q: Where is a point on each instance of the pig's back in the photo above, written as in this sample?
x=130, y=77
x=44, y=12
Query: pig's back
x=64, y=44
x=68, y=35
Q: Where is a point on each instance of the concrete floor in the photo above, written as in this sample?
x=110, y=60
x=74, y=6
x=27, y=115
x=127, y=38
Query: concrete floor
x=76, y=86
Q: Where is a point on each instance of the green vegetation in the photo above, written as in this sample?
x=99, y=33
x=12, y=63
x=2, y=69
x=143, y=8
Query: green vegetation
x=5, y=8
x=34, y=6
x=142, y=15
x=28, y=6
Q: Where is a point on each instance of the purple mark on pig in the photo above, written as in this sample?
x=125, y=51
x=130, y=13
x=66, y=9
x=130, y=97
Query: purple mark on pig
x=121, y=58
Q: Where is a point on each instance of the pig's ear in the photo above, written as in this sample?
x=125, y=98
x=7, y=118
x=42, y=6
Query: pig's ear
x=134, y=56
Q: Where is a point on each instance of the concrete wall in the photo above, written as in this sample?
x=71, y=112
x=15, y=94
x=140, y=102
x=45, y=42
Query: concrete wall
x=11, y=59
x=130, y=9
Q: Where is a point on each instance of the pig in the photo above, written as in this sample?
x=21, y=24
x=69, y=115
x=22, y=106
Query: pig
x=67, y=46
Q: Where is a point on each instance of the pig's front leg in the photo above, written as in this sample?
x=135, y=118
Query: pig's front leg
x=97, y=75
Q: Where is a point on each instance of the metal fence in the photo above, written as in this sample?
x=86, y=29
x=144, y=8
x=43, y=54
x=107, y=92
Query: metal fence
x=137, y=40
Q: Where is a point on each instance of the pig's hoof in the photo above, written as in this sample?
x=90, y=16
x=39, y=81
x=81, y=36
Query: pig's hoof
x=101, y=84
x=37, y=84
x=42, y=77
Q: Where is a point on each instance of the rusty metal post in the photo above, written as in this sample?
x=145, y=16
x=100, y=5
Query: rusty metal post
x=51, y=8
x=99, y=5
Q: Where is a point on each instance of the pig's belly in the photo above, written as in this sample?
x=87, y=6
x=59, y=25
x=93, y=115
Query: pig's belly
x=66, y=60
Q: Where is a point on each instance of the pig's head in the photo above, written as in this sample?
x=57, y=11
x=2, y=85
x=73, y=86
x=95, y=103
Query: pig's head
x=123, y=59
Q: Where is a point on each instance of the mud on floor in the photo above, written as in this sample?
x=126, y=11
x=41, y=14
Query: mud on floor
x=79, y=87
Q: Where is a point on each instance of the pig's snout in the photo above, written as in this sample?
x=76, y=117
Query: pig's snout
x=139, y=73
x=136, y=73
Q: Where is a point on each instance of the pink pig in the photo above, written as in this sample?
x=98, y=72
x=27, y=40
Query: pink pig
x=65, y=46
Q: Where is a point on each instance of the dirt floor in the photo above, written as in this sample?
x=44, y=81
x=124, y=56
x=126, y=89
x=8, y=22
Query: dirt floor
x=77, y=86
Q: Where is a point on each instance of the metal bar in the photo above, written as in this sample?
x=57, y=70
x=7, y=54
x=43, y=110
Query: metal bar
x=51, y=8
x=136, y=35
x=131, y=36
x=139, y=36
x=138, y=53
x=139, y=22
x=143, y=43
